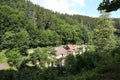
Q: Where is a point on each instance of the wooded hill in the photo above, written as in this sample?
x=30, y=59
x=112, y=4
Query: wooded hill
x=28, y=25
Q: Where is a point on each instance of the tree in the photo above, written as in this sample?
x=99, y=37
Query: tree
x=104, y=38
x=14, y=58
x=22, y=40
x=12, y=29
x=18, y=40
x=79, y=63
x=70, y=63
x=47, y=38
x=38, y=58
x=109, y=5
x=11, y=19
x=33, y=34
x=8, y=40
x=86, y=35
x=41, y=56
x=70, y=34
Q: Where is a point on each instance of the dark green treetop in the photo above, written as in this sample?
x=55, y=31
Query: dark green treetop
x=109, y=5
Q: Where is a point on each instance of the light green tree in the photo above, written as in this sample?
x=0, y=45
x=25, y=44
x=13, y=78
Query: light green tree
x=104, y=38
x=18, y=40
x=14, y=58
x=40, y=57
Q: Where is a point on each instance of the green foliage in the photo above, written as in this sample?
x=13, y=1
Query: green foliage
x=3, y=58
x=41, y=56
x=14, y=34
x=22, y=40
x=66, y=33
x=104, y=38
x=33, y=34
x=14, y=58
x=70, y=34
x=91, y=60
x=38, y=58
x=7, y=74
x=70, y=63
x=47, y=38
x=106, y=5
x=84, y=70
x=41, y=24
x=26, y=25
x=66, y=28
x=8, y=40
x=87, y=35
x=79, y=63
x=11, y=19
x=29, y=73
x=18, y=40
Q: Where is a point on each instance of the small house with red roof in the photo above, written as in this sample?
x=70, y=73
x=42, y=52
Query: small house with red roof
x=64, y=51
x=61, y=52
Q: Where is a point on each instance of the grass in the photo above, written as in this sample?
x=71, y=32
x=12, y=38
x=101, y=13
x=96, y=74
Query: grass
x=3, y=58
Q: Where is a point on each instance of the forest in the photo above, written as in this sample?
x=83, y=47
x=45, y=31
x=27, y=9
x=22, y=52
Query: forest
x=24, y=25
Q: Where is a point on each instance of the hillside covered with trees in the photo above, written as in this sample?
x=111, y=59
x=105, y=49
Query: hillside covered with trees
x=24, y=25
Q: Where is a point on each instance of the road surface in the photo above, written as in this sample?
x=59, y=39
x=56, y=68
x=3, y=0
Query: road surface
x=4, y=66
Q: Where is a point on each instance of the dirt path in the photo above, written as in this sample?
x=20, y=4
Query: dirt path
x=4, y=66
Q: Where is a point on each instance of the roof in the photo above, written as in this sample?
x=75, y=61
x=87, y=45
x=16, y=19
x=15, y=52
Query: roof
x=64, y=51
x=72, y=47
x=61, y=51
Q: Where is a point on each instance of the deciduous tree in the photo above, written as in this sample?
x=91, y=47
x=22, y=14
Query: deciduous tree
x=104, y=38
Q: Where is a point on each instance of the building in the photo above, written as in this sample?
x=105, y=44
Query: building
x=61, y=52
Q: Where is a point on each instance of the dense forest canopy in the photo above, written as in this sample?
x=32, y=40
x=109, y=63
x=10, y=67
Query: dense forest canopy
x=39, y=25
x=23, y=15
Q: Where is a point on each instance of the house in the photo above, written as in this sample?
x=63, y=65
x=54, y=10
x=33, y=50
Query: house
x=61, y=52
x=71, y=47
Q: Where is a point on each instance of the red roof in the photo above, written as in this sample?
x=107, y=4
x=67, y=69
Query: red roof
x=72, y=47
x=61, y=51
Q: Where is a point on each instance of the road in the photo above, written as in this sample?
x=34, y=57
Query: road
x=4, y=66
